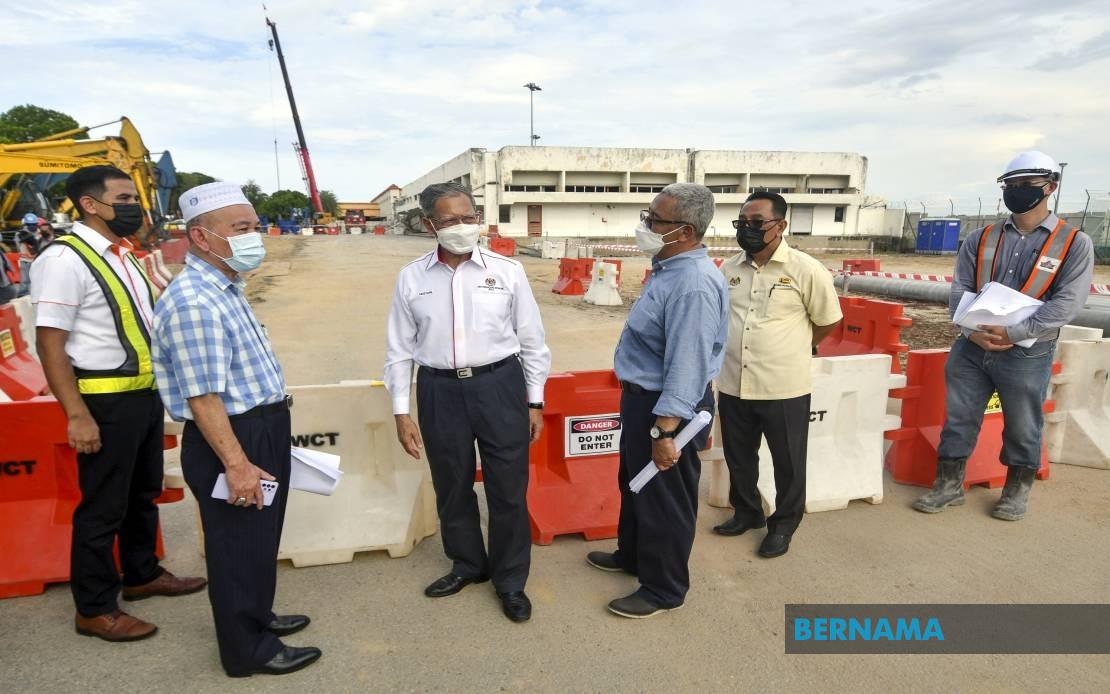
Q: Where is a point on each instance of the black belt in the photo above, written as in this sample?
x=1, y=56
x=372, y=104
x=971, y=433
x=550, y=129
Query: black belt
x=635, y=388
x=469, y=371
x=278, y=407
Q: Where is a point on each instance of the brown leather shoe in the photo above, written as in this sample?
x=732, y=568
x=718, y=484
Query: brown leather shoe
x=115, y=626
x=166, y=584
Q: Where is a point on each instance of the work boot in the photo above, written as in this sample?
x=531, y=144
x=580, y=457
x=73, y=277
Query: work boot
x=1015, y=495
x=948, y=487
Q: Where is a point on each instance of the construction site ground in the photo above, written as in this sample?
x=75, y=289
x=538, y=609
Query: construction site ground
x=325, y=300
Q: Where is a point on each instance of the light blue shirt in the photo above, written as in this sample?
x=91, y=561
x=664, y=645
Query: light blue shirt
x=674, y=339
x=207, y=340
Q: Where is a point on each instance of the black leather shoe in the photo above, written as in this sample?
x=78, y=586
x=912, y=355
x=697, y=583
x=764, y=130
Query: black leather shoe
x=636, y=606
x=516, y=606
x=451, y=584
x=736, y=526
x=289, y=659
x=286, y=624
x=606, y=561
x=774, y=545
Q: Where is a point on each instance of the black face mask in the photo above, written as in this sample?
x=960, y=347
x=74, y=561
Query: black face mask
x=750, y=238
x=128, y=219
x=1022, y=199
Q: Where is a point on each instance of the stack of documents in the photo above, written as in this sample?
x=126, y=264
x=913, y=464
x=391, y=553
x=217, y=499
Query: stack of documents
x=996, y=304
x=314, y=471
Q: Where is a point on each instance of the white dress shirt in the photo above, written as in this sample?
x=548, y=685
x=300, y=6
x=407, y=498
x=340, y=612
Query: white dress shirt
x=68, y=297
x=477, y=314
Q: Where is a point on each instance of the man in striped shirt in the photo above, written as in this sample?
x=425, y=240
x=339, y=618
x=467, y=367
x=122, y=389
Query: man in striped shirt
x=217, y=371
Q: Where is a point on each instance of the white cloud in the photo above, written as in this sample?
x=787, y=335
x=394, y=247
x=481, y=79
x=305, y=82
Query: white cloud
x=934, y=94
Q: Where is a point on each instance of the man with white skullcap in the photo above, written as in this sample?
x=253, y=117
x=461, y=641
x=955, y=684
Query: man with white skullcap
x=217, y=372
x=94, y=306
x=1042, y=256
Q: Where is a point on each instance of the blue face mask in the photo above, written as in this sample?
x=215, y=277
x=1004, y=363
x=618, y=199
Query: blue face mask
x=247, y=251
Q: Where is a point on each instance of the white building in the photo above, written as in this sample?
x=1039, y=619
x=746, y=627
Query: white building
x=597, y=192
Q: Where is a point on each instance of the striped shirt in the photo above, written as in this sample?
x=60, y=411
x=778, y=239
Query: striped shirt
x=207, y=340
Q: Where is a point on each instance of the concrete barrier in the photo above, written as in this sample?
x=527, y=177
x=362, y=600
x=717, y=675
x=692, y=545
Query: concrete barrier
x=1077, y=431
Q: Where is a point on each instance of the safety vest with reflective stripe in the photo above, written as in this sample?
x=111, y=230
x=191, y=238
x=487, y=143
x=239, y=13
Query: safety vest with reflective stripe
x=136, y=372
x=1049, y=260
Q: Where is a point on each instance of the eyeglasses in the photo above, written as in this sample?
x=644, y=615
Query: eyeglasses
x=752, y=223
x=650, y=220
x=1024, y=184
x=444, y=222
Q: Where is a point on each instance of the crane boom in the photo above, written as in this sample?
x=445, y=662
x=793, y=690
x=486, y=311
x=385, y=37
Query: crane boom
x=302, y=146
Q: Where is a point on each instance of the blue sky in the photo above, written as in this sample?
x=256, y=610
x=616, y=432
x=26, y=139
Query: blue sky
x=937, y=95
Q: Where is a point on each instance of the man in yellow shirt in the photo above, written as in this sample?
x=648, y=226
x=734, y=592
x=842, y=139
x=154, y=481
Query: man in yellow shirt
x=781, y=303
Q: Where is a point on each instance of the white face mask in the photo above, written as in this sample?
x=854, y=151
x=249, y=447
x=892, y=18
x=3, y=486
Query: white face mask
x=651, y=243
x=459, y=239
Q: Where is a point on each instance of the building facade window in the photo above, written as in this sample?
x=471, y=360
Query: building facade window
x=723, y=189
x=838, y=213
x=528, y=189
x=825, y=191
x=594, y=189
x=646, y=188
x=770, y=189
x=504, y=214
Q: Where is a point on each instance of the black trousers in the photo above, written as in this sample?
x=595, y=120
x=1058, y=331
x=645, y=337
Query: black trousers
x=119, y=484
x=492, y=409
x=785, y=423
x=655, y=532
x=241, y=544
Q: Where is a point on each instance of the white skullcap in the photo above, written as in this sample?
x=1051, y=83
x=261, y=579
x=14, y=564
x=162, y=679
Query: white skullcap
x=210, y=196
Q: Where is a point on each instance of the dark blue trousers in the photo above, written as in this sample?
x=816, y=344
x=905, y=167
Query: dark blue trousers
x=241, y=544
x=655, y=533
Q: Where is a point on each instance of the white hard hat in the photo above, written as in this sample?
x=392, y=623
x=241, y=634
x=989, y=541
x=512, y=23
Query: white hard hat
x=1031, y=163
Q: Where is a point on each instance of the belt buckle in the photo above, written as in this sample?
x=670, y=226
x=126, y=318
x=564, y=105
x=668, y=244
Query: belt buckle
x=464, y=373
x=289, y=401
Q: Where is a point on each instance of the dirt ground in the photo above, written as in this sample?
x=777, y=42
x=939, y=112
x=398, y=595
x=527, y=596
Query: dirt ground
x=324, y=301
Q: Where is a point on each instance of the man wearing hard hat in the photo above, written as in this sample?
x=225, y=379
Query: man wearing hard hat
x=1040, y=255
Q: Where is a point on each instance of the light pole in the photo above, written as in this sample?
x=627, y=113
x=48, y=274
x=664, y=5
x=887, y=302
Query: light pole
x=532, y=88
x=1059, y=187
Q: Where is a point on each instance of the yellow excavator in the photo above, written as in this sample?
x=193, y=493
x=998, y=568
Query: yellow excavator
x=62, y=154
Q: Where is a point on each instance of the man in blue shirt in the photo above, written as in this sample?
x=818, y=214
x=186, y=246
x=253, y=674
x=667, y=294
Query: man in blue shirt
x=217, y=371
x=669, y=352
x=1040, y=255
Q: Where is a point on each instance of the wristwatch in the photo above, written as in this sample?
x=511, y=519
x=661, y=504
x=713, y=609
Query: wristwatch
x=657, y=433
x=535, y=405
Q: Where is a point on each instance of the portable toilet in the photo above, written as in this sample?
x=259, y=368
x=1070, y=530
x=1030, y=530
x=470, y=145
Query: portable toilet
x=950, y=241
x=924, y=234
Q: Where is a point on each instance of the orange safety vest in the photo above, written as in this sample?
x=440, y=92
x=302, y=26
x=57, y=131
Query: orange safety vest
x=1052, y=255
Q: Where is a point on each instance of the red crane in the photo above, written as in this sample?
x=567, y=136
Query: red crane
x=300, y=145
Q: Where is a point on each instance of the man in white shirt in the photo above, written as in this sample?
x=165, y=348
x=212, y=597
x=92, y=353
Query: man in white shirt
x=467, y=319
x=94, y=312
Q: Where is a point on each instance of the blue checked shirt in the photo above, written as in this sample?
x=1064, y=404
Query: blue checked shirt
x=207, y=340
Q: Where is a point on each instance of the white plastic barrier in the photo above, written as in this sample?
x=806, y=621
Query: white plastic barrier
x=1077, y=431
x=1078, y=332
x=385, y=500
x=604, y=286
x=25, y=310
x=848, y=417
